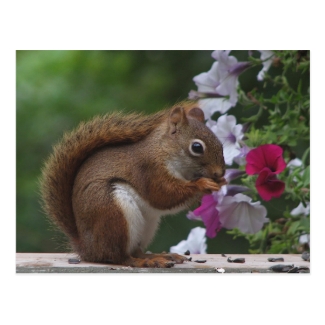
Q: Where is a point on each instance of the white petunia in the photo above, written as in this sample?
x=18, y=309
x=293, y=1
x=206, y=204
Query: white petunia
x=233, y=173
x=229, y=133
x=211, y=105
x=294, y=163
x=228, y=80
x=304, y=239
x=300, y=209
x=220, y=81
x=241, y=158
x=240, y=212
x=195, y=243
x=305, y=211
x=266, y=57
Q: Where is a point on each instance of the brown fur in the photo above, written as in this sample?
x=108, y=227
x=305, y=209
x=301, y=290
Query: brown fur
x=78, y=179
x=60, y=169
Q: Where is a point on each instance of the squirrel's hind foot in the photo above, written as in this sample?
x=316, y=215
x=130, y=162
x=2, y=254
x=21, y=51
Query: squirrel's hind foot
x=156, y=260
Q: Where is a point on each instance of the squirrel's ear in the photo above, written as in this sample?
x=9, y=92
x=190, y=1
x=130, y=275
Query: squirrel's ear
x=195, y=112
x=176, y=118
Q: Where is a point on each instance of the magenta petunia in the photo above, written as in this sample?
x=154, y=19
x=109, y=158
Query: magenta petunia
x=209, y=215
x=268, y=185
x=267, y=161
x=267, y=155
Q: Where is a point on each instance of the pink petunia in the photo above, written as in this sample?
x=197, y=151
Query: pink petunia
x=267, y=155
x=209, y=215
x=208, y=210
x=267, y=161
x=268, y=185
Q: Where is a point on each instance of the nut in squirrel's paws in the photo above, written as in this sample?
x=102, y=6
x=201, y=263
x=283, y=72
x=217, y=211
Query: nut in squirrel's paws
x=222, y=181
x=207, y=185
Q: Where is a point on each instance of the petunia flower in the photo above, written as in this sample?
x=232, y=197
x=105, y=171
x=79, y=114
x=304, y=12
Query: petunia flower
x=229, y=134
x=228, y=71
x=295, y=163
x=233, y=173
x=240, y=212
x=195, y=243
x=267, y=155
x=212, y=102
x=267, y=161
x=304, y=239
x=301, y=210
x=268, y=185
x=207, y=211
x=220, y=81
x=266, y=57
x=241, y=158
x=235, y=189
x=304, y=211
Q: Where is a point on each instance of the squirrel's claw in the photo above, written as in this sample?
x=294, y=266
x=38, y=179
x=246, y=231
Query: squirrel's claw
x=207, y=185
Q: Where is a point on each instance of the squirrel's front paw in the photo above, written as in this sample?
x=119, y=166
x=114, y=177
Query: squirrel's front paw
x=207, y=185
x=222, y=181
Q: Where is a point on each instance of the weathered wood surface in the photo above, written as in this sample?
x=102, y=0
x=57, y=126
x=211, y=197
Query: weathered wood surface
x=215, y=263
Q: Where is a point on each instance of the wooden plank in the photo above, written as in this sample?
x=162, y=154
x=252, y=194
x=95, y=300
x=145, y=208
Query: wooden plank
x=215, y=263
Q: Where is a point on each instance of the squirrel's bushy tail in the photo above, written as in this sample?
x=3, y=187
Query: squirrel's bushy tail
x=60, y=169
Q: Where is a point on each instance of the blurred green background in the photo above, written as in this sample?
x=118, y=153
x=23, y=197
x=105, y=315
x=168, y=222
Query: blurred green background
x=58, y=89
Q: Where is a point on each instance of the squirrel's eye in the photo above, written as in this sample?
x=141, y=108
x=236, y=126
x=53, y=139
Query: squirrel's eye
x=197, y=148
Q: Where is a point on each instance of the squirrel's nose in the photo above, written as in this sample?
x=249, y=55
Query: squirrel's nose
x=219, y=172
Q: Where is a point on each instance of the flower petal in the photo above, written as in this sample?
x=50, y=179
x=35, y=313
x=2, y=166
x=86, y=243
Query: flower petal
x=230, y=151
x=235, y=189
x=191, y=216
x=304, y=239
x=221, y=79
x=268, y=185
x=228, y=87
x=229, y=134
x=211, y=105
x=233, y=173
x=300, y=209
x=195, y=243
x=208, y=81
x=239, y=212
x=295, y=163
x=241, y=158
x=267, y=155
x=180, y=248
x=207, y=206
x=209, y=215
x=265, y=54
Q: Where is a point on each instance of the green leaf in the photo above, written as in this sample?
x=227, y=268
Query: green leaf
x=305, y=224
x=293, y=227
x=305, y=155
x=306, y=177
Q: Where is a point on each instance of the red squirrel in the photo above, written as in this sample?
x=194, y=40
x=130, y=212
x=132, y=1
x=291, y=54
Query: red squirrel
x=108, y=182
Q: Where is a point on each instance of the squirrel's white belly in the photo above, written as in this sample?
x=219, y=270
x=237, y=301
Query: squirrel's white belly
x=142, y=219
